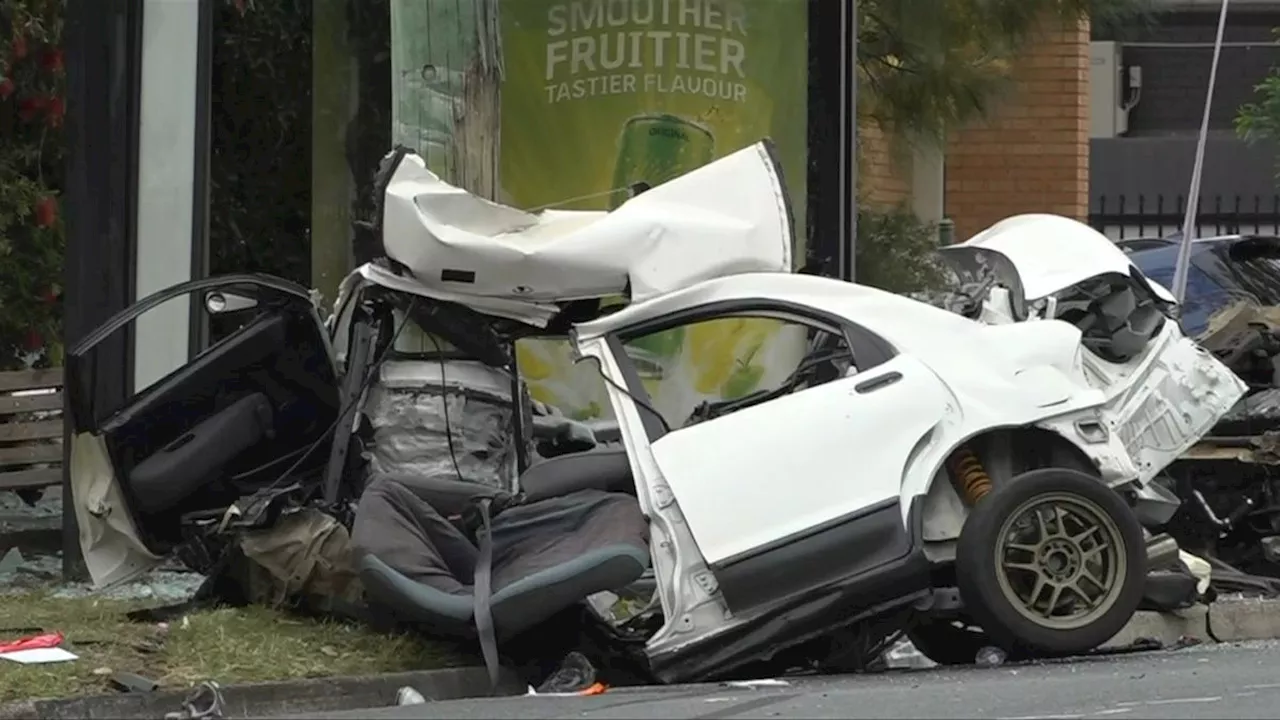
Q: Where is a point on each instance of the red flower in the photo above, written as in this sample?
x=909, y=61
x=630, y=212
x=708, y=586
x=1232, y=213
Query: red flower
x=18, y=48
x=46, y=212
x=29, y=107
x=54, y=108
x=50, y=294
x=51, y=60
x=33, y=341
x=6, y=88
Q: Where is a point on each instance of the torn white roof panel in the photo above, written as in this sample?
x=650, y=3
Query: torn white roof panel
x=730, y=216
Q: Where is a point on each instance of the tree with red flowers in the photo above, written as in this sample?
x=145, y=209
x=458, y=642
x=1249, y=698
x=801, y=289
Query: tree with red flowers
x=32, y=145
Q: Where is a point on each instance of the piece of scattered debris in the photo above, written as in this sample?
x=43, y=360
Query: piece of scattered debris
x=11, y=562
x=408, y=696
x=133, y=683
x=762, y=683
x=203, y=702
x=575, y=676
x=39, y=656
x=33, y=642
x=990, y=656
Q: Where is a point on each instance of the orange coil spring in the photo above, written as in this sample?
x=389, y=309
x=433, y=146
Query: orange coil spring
x=971, y=479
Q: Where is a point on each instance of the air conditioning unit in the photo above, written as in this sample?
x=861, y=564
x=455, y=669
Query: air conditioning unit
x=1112, y=90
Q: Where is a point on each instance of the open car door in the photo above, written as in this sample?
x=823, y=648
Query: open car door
x=789, y=475
x=226, y=424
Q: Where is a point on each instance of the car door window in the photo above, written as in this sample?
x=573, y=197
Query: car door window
x=712, y=367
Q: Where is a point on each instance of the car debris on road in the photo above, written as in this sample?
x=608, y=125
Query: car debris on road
x=1230, y=513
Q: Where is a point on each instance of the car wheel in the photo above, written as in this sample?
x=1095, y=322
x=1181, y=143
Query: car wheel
x=1051, y=563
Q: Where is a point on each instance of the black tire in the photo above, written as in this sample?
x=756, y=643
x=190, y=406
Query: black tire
x=945, y=643
x=980, y=580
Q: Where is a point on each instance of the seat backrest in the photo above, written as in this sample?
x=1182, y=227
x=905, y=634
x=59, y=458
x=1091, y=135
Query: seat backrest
x=608, y=470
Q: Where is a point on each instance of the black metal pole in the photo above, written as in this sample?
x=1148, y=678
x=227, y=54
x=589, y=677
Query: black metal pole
x=199, y=318
x=102, y=45
x=849, y=58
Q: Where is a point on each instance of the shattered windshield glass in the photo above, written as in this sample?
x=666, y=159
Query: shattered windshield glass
x=1252, y=265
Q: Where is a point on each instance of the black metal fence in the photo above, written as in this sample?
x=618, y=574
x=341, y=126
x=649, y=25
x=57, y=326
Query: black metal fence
x=1123, y=218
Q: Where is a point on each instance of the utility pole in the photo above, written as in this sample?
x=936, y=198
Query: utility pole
x=1179, y=288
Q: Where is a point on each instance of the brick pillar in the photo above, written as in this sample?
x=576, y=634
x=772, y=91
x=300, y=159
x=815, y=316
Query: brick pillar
x=883, y=180
x=1032, y=155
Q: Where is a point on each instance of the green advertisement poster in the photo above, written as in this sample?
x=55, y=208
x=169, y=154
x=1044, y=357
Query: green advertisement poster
x=603, y=96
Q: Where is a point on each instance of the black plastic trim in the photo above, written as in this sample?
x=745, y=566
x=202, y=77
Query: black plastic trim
x=737, y=306
x=254, y=280
x=873, y=384
x=831, y=159
x=654, y=425
x=81, y=379
x=863, y=589
x=198, y=332
x=814, y=558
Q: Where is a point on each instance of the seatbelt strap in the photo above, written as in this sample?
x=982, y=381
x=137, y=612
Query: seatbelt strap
x=482, y=591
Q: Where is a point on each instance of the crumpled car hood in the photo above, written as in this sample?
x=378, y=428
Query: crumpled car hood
x=729, y=216
x=1052, y=253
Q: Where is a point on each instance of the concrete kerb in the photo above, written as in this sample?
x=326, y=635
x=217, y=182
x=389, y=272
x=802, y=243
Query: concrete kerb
x=1229, y=620
x=276, y=698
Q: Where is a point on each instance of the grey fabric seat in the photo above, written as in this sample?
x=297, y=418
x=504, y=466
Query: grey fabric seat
x=546, y=554
x=606, y=469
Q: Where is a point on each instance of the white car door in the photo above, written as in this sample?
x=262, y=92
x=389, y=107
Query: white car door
x=785, y=467
x=786, y=464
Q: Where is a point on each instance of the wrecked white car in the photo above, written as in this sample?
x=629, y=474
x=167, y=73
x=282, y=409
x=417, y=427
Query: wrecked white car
x=909, y=468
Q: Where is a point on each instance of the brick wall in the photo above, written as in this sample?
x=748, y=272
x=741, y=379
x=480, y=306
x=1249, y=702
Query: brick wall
x=884, y=178
x=1032, y=155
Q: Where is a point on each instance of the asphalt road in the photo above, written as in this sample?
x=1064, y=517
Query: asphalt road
x=1218, y=681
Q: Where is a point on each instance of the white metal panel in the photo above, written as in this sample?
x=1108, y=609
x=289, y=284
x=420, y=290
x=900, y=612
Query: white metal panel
x=166, y=177
x=1105, y=68
x=787, y=466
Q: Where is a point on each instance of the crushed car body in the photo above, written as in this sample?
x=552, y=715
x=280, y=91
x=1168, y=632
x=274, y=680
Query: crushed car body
x=1231, y=513
x=992, y=464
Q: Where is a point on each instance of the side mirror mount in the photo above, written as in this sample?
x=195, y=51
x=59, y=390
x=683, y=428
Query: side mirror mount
x=220, y=302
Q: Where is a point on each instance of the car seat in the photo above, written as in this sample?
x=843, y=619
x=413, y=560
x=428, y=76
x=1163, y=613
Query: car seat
x=541, y=554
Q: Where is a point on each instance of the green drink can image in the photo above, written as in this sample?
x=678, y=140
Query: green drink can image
x=653, y=149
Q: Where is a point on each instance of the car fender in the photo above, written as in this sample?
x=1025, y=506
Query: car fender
x=943, y=510
x=1061, y=407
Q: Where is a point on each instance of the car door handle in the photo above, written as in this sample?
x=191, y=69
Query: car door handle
x=877, y=383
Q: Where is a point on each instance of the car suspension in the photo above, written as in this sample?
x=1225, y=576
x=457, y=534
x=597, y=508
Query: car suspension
x=969, y=477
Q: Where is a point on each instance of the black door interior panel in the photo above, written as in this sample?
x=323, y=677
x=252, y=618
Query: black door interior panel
x=194, y=441
x=198, y=457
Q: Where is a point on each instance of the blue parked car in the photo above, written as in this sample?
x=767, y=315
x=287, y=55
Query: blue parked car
x=1222, y=270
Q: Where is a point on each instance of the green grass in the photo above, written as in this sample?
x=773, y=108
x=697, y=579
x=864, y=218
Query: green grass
x=227, y=645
